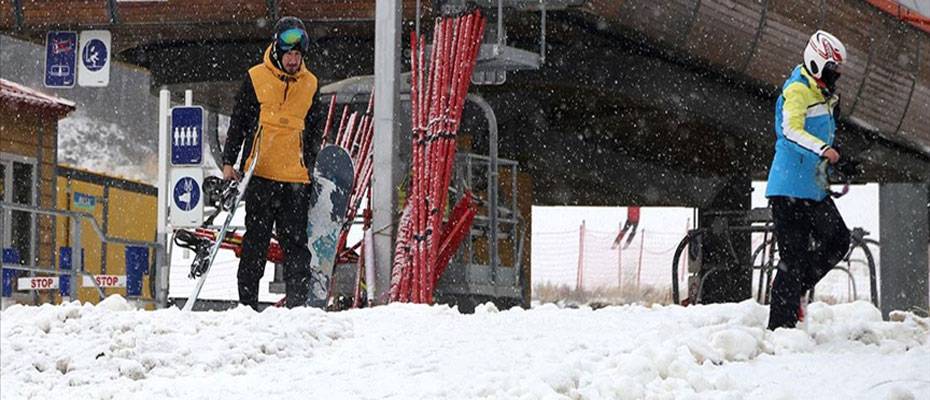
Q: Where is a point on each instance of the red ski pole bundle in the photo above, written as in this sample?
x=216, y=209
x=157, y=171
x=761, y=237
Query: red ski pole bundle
x=437, y=97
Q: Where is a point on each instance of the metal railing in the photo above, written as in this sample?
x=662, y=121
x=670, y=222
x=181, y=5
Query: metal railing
x=77, y=267
x=502, y=218
x=764, y=257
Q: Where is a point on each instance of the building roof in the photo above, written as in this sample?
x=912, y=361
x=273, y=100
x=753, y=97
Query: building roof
x=12, y=92
x=915, y=12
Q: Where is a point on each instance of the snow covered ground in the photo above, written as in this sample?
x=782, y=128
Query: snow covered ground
x=112, y=351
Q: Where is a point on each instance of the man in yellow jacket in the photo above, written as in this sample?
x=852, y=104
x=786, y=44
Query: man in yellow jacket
x=278, y=121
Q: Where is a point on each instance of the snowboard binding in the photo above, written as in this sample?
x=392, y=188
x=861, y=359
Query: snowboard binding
x=219, y=194
x=201, y=248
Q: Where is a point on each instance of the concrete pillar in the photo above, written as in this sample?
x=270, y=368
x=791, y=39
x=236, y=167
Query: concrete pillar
x=904, y=235
x=387, y=113
x=731, y=280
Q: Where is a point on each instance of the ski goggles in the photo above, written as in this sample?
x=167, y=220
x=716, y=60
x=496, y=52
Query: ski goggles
x=291, y=39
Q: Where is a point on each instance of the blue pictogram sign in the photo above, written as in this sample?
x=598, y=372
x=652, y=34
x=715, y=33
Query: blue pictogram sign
x=186, y=193
x=94, y=55
x=60, y=59
x=186, y=135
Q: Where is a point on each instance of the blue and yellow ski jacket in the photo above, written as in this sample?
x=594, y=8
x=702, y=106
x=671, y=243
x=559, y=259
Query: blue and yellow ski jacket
x=804, y=130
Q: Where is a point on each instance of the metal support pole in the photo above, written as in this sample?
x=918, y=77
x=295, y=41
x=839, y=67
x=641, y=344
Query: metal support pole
x=212, y=137
x=161, y=259
x=188, y=97
x=18, y=14
x=639, y=264
x=500, y=26
x=579, y=273
x=620, y=259
x=114, y=15
x=493, y=175
x=387, y=110
x=542, y=29
x=33, y=257
x=273, y=10
x=417, y=20
x=77, y=259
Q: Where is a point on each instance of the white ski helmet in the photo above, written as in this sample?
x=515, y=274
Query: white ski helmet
x=821, y=49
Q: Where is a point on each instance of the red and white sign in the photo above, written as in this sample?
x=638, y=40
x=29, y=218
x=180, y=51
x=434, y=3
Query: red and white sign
x=37, y=283
x=105, y=281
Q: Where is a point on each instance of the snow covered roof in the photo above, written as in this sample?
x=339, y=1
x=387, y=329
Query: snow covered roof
x=13, y=92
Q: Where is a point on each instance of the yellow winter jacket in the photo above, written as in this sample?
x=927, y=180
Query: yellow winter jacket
x=284, y=102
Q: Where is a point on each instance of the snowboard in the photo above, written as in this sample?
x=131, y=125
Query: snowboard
x=203, y=261
x=333, y=177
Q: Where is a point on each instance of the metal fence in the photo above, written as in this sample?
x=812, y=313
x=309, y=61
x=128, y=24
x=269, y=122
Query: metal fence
x=77, y=269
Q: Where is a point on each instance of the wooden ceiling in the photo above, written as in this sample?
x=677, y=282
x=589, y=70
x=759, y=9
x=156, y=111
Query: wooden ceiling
x=886, y=86
x=137, y=23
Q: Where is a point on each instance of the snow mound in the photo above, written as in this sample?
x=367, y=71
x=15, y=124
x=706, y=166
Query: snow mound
x=899, y=393
x=76, y=348
x=406, y=351
x=486, y=308
x=115, y=302
x=791, y=341
x=737, y=344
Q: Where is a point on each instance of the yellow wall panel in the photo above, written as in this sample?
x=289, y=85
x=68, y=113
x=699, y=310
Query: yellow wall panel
x=131, y=214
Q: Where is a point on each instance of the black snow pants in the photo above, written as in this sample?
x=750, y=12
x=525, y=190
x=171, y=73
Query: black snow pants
x=284, y=206
x=812, y=238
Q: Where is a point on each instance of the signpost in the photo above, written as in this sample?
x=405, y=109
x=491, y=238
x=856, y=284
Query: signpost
x=60, y=59
x=95, y=54
x=186, y=138
x=180, y=180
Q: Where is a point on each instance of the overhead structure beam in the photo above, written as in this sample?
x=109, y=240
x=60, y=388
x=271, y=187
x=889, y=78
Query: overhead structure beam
x=18, y=14
x=683, y=37
x=273, y=10
x=755, y=39
x=111, y=9
x=865, y=76
x=910, y=96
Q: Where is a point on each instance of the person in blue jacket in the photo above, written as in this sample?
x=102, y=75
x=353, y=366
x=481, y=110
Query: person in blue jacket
x=811, y=234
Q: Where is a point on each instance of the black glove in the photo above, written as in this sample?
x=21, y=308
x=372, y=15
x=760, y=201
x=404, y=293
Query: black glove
x=847, y=168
